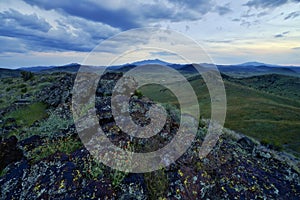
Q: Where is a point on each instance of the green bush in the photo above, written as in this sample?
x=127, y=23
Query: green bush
x=92, y=169
x=27, y=75
x=138, y=93
x=157, y=183
x=117, y=177
x=24, y=90
x=53, y=124
x=23, y=85
x=26, y=116
x=63, y=145
x=8, y=81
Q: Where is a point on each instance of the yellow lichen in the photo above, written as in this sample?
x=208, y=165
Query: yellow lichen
x=62, y=184
x=37, y=187
x=185, y=181
x=223, y=189
x=180, y=172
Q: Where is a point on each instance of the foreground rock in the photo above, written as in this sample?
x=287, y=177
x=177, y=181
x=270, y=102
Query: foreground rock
x=9, y=152
x=230, y=171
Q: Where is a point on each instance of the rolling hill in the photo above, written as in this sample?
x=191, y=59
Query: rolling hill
x=265, y=113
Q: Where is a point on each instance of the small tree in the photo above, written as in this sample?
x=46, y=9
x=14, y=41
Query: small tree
x=27, y=75
x=138, y=93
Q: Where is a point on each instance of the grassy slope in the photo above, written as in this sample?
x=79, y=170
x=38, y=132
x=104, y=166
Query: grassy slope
x=286, y=86
x=266, y=117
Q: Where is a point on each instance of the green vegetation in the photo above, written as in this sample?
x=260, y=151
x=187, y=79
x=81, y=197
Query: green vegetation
x=52, y=125
x=157, y=183
x=27, y=75
x=117, y=177
x=63, y=145
x=93, y=169
x=138, y=93
x=24, y=90
x=285, y=86
x=3, y=172
x=267, y=117
x=26, y=116
x=85, y=109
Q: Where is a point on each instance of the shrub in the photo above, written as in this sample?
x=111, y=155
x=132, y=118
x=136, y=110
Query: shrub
x=138, y=93
x=157, y=183
x=63, y=145
x=92, y=169
x=117, y=177
x=24, y=90
x=173, y=111
x=27, y=75
x=23, y=85
x=53, y=124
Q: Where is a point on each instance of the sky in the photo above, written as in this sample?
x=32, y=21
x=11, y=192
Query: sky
x=56, y=32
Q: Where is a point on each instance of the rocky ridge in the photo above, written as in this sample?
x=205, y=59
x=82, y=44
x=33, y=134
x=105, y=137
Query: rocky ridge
x=56, y=165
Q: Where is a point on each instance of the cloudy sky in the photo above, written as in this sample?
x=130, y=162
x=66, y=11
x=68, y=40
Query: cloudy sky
x=42, y=32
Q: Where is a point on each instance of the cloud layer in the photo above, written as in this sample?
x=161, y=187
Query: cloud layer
x=66, y=26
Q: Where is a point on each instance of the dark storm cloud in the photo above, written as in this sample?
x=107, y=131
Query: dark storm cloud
x=268, y=3
x=85, y=23
x=127, y=17
x=15, y=18
x=31, y=32
x=89, y=10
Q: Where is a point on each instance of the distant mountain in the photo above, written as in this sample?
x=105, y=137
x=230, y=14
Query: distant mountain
x=72, y=67
x=147, y=62
x=256, y=64
x=36, y=68
x=240, y=70
x=255, y=68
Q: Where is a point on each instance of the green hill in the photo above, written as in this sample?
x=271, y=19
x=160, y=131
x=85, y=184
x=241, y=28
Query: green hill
x=270, y=118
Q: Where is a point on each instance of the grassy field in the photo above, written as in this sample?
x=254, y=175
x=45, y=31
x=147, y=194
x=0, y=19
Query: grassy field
x=270, y=118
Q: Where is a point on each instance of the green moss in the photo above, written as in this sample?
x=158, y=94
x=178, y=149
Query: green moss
x=26, y=116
